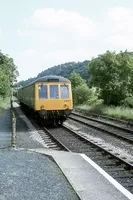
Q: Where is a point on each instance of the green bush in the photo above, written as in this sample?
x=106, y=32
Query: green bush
x=128, y=102
x=76, y=80
x=112, y=111
x=93, y=97
x=81, y=94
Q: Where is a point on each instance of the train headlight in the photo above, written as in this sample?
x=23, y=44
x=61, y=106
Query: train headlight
x=42, y=107
x=65, y=106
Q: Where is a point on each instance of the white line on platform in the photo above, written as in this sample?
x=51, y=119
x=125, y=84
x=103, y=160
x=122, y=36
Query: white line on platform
x=107, y=176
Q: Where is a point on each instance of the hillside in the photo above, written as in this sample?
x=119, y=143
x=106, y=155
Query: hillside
x=62, y=70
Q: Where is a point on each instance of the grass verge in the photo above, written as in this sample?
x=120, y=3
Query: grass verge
x=4, y=104
x=118, y=112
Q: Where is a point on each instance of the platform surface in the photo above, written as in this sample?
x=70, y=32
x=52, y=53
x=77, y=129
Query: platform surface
x=87, y=178
x=26, y=175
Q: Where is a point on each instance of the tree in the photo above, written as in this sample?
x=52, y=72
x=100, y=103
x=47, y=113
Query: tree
x=76, y=80
x=4, y=84
x=81, y=94
x=8, y=74
x=79, y=88
x=113, y=74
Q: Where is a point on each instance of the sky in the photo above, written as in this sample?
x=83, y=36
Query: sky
x=39, y=34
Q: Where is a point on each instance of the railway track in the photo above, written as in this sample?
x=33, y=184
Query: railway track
x=53, y=142
x=117, y=167
x=121, y=122
x=64, y=138
x=118, y=131
x=49, y=141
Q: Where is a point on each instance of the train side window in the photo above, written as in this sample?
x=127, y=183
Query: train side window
x=64, y=91
x=54, y=92
x=42, y=92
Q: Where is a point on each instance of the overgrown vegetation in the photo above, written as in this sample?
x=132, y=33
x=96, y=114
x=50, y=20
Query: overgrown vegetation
x=81, y=91
x=4, y=104
x=112, y=111
x=8, y=74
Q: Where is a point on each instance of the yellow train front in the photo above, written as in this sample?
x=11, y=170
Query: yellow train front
x=50, y=97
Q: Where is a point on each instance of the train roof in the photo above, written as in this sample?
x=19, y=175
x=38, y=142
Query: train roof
x=50, y=78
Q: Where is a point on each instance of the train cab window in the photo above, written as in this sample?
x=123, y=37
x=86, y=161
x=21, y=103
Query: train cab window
x=54, y=92
x=64, y=91
x=42, y=91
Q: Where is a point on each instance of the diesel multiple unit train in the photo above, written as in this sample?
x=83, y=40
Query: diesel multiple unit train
x=50, y=97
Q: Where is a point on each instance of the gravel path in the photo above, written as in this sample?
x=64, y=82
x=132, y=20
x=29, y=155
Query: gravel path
x=28, y=175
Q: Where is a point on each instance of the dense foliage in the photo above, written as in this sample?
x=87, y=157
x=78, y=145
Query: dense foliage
x=113, y=74
x=8, y=74
x=62, y=70
x=81, y=92
x=76, y=80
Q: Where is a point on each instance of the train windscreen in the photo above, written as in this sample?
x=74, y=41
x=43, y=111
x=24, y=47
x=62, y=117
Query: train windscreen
x=64, y=91
x=43, y=94
x=54, y=92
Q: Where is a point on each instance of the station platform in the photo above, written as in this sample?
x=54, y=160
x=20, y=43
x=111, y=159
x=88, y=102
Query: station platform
x=54, y=175
x=88, y=180
x=33, y=171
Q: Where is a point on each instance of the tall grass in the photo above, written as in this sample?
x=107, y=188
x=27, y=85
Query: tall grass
x=112, y=111
x=4, y=103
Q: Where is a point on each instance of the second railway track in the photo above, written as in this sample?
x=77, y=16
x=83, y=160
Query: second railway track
x=121, y=122
x=113, y=129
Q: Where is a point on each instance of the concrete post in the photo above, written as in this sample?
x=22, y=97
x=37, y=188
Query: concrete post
x=13, y=131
